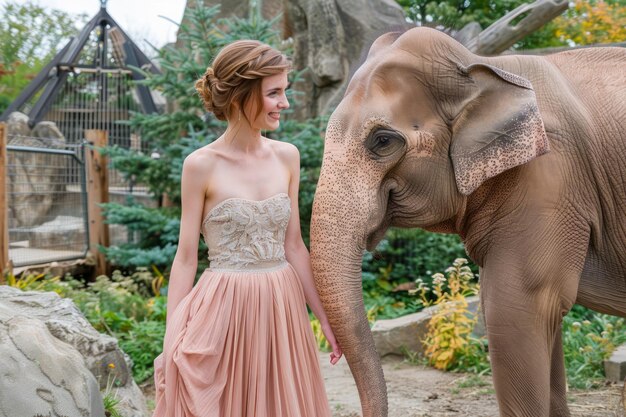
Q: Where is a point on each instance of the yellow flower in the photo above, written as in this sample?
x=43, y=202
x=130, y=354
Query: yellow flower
x=111, y=365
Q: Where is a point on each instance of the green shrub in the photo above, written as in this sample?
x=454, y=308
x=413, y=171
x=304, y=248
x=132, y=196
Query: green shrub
x=404, y=256
x=589, y=338
x=143, y=342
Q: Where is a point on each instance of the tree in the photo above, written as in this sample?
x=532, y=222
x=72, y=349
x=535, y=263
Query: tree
x=30, y=35
x=591, y=22
x=587, y=22
x=172, y=136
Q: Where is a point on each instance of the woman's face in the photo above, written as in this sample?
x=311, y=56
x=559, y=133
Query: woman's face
x=274, y=101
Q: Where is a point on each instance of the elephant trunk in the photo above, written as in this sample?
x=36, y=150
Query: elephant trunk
x=336, y=256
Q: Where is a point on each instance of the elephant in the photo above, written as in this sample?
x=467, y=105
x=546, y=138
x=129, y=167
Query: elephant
x=522, y=156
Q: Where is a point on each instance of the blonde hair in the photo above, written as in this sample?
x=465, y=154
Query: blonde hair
x=235, y=76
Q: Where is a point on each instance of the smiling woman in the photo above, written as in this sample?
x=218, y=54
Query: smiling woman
x=239, y=343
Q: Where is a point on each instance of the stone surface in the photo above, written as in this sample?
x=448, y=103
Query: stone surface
x=41, y=375
x=66, y=323
x=17, y=124
x=615, y=366
x=331, y=39
x=36, y=180
x=395, y=336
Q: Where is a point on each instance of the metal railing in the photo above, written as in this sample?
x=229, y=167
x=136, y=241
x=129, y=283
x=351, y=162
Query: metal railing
x=47, y=201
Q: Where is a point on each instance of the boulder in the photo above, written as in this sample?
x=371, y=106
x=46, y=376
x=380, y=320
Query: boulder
x=615, y=366
x=99, y=353
x=36, y=180
x=41, y=375
x=17, y=125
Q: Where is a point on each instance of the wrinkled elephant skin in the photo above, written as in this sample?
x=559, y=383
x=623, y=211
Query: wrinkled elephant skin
x=522, y=156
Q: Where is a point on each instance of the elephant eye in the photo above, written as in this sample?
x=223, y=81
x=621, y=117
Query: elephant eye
x=384, y=142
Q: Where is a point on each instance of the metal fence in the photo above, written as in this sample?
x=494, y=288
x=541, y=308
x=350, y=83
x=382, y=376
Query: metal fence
x=47, y=200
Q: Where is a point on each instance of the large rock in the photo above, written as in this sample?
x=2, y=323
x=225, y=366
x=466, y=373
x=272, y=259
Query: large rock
x=331, y=38
x=67, y=324
x=395, y=336
x=41, y=375
x=615, y=366
x=17, y=125
x=36, y=180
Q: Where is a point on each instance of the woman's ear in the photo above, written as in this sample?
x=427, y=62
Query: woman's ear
x=497, y=128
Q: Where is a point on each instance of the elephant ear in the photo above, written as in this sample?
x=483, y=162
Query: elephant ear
x=497, y=128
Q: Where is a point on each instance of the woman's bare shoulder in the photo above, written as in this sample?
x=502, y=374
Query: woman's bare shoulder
x=202, y=160
x=286, y=151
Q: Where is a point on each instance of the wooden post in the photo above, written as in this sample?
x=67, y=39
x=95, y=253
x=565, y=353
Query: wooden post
x=4, y=204
x=97, y=193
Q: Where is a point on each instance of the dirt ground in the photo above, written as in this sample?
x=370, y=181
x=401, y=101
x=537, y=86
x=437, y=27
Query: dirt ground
x=416, y=391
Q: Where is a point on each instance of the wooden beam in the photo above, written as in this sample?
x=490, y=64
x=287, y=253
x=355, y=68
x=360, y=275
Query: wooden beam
x=4, y=204
x=97, y=193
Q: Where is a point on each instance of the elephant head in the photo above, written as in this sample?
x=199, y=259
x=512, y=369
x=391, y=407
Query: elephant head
x=423, y=125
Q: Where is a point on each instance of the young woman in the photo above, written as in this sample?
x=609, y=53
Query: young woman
x=239, y=343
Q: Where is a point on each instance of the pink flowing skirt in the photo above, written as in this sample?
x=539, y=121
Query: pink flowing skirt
x=240, y=345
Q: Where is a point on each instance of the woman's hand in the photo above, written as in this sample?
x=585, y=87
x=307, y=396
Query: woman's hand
x=335, y=355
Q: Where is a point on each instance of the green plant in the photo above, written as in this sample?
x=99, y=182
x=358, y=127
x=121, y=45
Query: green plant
x=109, y=398
x=449, y=344
x=589, y=338
x=27, y=281
x=143, y=342
x=404, y=256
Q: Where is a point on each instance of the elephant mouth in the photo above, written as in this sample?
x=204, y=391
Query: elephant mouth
x=374, y=238
x=383, y=222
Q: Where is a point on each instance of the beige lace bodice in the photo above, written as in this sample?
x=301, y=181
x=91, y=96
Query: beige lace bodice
x=244, y=234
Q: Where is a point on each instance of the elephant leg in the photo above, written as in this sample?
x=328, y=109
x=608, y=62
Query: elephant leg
x=521, y=351
x=526, y=293
x=558, y=382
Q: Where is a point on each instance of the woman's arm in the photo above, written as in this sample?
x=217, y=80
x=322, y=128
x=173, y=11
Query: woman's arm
x=185, y=262
x=298, y=255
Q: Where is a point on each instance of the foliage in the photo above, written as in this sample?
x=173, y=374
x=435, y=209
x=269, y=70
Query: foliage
x=111, y=399
x=455, y=14
x=585, y=23
x=402, y=257
x=589, y=338
x=449, y=344
x=590, y=22
x=30, y=35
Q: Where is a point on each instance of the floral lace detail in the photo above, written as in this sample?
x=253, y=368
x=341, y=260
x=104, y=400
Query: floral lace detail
x=241, y=233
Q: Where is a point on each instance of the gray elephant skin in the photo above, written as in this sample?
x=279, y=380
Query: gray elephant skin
x=522, y=156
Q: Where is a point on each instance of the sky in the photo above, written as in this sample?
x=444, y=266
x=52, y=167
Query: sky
x=139, y=18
